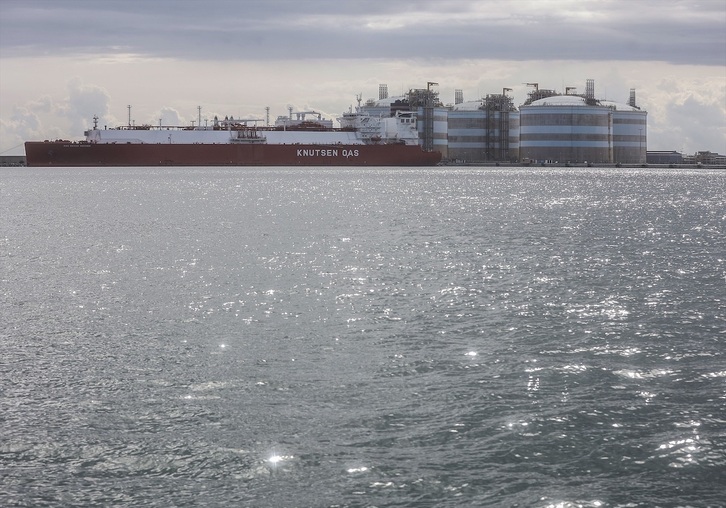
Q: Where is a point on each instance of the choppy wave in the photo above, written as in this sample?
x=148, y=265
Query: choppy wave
x=439, y=337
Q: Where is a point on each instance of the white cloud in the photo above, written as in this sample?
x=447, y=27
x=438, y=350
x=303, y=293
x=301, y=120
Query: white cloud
x=64, y=117
x=22, y=125
x=83, y=103
x=170, y=116
x=683, y=109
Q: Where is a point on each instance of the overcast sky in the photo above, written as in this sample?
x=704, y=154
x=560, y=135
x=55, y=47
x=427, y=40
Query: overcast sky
x=63, y=61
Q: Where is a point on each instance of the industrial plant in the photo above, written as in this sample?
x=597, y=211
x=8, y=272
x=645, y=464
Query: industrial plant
x=549, y=127
x=413, y=129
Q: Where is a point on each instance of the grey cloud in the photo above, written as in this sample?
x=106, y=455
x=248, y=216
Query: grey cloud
x=287, y=29
x=684, y=124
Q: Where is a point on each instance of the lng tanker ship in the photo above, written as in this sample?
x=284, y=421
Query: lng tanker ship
x=361, y=140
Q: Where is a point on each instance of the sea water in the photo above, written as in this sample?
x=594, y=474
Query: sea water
x=315, y=337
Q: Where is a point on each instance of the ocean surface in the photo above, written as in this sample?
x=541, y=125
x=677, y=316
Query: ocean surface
x=441, y=337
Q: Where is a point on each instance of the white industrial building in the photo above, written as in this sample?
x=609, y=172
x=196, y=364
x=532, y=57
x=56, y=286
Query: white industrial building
x=548, y=127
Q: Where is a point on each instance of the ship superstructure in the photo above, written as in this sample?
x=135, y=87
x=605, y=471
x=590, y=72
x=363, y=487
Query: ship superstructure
x=357, y=128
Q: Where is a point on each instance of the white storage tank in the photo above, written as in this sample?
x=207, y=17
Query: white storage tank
x=566, y=128
x=441, y=131
x=482, y=130
x=466, y=132
x=514, y=136
x=630, y=133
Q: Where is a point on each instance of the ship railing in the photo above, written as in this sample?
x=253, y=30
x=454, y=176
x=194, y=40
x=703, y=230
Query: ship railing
x=159, y=128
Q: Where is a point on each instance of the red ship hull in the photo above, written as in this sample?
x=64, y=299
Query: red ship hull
x=66, y=153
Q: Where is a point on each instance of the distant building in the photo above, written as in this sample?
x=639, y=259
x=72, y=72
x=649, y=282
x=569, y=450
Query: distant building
x=706, y=158
x=664, y=157
x=12, y=160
